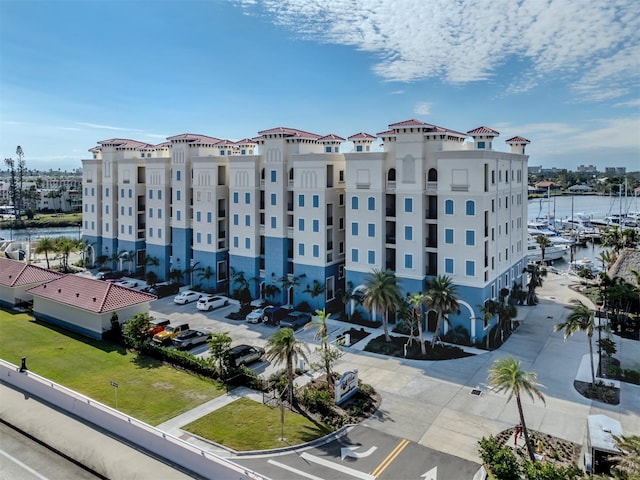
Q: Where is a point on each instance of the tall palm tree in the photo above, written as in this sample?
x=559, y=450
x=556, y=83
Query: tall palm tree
x=535, y=280
x=417, y=301
x=441, y=296
x=581, y=318
x=506, y=375
x=382, y=294
x=544, y=242
x=316, y=289
x=284, y=347
x=46, y=245
x=322, y=334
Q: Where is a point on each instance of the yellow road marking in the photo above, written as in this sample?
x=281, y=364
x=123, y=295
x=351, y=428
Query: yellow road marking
x=390, y=458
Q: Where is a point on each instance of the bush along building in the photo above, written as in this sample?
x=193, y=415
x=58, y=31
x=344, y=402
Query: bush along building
x=288, y=217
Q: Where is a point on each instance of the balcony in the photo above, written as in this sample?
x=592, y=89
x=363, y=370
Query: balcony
x=391, y=211
x=459, y=187
x=222, y=213
x=329, y=245
x=431, y=242
x=363, y=186
x=391, y=186
x=391, y=239
x=432, y=188
x=329, y=221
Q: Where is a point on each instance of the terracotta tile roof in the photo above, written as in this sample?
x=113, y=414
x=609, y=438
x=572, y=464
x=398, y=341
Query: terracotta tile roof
x=246, y=141
x=361, y=136
x=15, y=273
x=226, y=143
x=387, y=133
x=122, y=143
x=331, y=136
x=409, y=123
x=483, y=131
x=93, y=295
x=290, y=132
x=95, y=149
x=517, y=140
x=195, y=138
x=545, y=184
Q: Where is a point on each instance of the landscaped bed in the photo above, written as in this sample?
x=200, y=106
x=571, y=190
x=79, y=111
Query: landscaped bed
x=396, y=348
x=147, y=389
x=248, y=425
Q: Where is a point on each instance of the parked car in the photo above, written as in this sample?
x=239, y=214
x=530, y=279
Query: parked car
x=109, y=275
x=169, y=333
x=209, y=302
x=161, y=290
x=295, y=320
x=156, y=325
x=274, y=314
x=246, y=354
x=257, y=315
x=187, y=296
x=128, y=283
x=190, y=338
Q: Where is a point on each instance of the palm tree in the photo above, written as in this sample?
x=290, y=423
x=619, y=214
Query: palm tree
x=322, y=334
x=45, y=245
x=206, y=274
x=535, y=280
x=506, y=375
x=441, y=297
x=284, y=347
x=607, y=257
x=544, y=242
x=382, y=293
x=417, y=300
x=581, y=318
x=315, y=290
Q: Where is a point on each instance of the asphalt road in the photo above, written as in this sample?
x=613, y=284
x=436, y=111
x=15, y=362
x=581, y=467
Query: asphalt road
x=22, y=458
x=364, y=454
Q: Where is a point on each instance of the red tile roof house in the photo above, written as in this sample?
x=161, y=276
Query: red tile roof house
x=17, y=277
x=85, y=305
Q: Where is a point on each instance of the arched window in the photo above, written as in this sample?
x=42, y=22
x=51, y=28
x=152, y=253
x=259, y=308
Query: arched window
x=391, y=175
x=448, y=207
x=432, y=175
x=471, y=207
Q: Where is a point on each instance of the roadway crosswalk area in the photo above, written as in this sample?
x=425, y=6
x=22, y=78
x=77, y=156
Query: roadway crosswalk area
x=364, y=454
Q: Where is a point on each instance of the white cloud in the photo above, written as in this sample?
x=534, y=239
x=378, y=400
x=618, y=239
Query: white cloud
x=631, y=103
x=107, y=127
x=397, y=92
x=593, y=48
x=422, y=108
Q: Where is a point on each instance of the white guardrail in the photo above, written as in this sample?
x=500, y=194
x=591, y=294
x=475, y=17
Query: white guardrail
x=148, y=438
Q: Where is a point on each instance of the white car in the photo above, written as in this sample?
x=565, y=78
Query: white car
x=210, y=302
x=257, y=315
x=128, y=283
x=187, y=296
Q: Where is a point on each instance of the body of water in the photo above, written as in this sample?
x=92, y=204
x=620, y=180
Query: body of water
x=35, y=233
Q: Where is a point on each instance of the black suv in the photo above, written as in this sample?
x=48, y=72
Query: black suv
x=295, y=320
x=161, y=290
x=273, y=315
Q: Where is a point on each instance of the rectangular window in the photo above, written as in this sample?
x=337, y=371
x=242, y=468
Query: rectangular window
x=159, y=233
x=273, y=176
x=122, y=210
x=130, y=193
x=408, y=232
x=209, y=217
x=481, y=145
x=301, y=249
x=106, y=192
x=274, y=198
x=198, y=237
x=316, y=251
x=471, y=237
x=448, y=207
x=178, y=215
x=130, y=210
x=354, y=255
x=236, y=218
x=408, y=261
x=448, y=265
x=316, y=225
x=247, y=243
x=93, y=209
x=150, y=194
x=106, y=226
x=301, y=224
x=198, y=216
x=354, y=229
x=371, y=257
x=301, y=200
x=235, y=242
x=178, y=195
x=371, y=228
x=150, y=212
x=122, y=193
x=316, y=201
x=247, y=198
x=341, y=199
x=470, y=268
x=235, y=197
x=121, y=228
x=371, y=203
x=151, y=232
x=130, y=229
x=159, y=194
x=354, y=203
x=106, y=210
x=247, y=220
x=448, y=235
x=159, y=213
x=408, y=205
x=178, y=175
x=273, y=222
x=209, y=238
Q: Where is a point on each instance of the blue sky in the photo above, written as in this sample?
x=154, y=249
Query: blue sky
x=564, y=76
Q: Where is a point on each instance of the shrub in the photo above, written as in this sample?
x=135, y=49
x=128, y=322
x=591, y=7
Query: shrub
x=458, y=335
x=500, y=459
x=547, y=471
x=317, y=400
x=631, y=376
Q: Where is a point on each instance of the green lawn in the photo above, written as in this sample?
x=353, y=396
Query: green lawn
x=248, y=425
x=147, y=389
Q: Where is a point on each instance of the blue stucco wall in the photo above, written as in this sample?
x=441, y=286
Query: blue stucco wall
x=202, y=260
x=162, y=253
x=251, y=269
x=182, y=239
